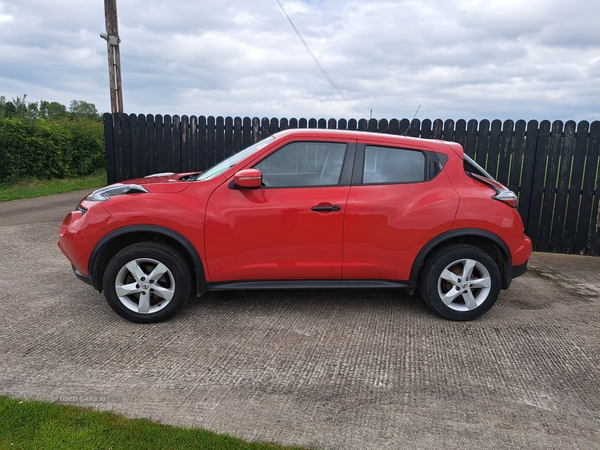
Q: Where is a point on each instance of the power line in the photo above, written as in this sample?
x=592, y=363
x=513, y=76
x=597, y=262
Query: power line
x=323, y=71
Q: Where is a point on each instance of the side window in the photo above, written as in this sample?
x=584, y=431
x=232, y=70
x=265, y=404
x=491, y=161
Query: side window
x=393, y=165
x=303, y=164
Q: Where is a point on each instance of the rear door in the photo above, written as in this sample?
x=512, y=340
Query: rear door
x=399, y=200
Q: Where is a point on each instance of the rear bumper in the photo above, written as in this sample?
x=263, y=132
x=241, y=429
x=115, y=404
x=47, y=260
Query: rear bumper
x=518, y=265
x=82, y=277
x=521, y=254
x=510, y=272
x=519, y=270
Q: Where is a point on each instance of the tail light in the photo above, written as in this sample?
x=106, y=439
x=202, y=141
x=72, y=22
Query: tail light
x=508, y=197
x=503, y=194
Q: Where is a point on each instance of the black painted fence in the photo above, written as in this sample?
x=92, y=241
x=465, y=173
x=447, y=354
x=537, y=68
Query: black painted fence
x=553, y=167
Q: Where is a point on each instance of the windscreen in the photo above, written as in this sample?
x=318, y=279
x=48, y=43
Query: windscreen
x=233, y=160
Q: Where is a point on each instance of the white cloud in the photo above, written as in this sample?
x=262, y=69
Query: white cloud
x=532, y=59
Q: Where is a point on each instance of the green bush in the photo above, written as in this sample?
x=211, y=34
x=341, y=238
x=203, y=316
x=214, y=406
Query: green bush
x=49, y=148
x=87, y=146
x=14, y=148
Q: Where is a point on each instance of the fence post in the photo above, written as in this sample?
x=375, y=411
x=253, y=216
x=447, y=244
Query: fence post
x=109, y=146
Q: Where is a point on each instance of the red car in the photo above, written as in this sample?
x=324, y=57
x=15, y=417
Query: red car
x=304, y=209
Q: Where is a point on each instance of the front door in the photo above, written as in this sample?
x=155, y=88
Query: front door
x=291, y=228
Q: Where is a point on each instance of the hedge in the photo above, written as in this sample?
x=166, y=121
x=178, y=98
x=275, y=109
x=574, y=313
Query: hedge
x=49, y=148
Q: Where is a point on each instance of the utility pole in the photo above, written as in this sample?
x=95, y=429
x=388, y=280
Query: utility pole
x=114, y=56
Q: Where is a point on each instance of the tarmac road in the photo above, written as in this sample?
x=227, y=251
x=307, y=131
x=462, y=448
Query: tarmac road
x=354, y=369
x=53, y=208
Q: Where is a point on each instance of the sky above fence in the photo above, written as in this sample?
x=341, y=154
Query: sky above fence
x=471, y=59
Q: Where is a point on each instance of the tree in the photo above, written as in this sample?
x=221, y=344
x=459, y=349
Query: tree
x=52, y=110
x=19, y=107
x=83, y=110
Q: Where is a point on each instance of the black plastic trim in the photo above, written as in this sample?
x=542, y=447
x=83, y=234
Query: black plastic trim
x=187, y=245
x=307, y=284
x=235, y=187
x=348, y=164
x=326, y=208
x=82, y=277
x=463, y=232
x=519, y=270
x=438, y=161
x=357, y=173
x=505, y=273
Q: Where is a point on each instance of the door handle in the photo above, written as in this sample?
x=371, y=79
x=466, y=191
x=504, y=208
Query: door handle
x=320, y=208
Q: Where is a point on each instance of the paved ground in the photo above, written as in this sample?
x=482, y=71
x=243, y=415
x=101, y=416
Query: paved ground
x=330, y=370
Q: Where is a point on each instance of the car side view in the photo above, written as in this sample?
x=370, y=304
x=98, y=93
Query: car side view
x=304, y=208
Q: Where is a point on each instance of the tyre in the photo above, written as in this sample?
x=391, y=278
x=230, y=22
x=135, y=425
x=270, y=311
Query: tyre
x=460, y=282
x=147, y=282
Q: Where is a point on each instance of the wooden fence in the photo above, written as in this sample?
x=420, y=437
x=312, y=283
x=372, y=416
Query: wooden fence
x=553, y=167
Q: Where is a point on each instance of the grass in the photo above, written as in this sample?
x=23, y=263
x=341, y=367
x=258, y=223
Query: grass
x=33, y=187
x=40, y=425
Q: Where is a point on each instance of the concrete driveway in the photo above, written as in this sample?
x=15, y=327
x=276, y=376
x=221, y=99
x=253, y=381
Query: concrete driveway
x=352, y=369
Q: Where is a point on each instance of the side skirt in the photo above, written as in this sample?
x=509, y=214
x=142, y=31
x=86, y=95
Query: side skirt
x=308, y=284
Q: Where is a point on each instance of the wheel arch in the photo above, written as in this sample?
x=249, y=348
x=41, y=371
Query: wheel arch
x=487, y=241
x=118, y=239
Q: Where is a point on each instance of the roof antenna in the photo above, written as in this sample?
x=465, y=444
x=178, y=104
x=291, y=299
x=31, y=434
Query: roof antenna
x=408, y=129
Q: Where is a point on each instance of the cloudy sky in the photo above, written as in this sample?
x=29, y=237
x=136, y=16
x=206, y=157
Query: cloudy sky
x=504, y=59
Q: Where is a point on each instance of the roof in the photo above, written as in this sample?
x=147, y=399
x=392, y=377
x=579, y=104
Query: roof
x=433, y=144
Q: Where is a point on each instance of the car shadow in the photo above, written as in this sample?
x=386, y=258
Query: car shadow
x=301, y=300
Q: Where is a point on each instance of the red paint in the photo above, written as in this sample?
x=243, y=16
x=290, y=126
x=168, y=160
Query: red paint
x=343, y=232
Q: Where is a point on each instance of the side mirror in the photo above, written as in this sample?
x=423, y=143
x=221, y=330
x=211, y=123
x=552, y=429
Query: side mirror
x=248, y=179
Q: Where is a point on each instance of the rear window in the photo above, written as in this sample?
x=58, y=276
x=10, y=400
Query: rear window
x=472, y=168
x=393, y=165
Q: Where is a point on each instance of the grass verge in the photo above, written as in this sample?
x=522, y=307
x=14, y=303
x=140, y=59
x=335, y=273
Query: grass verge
x=33, y=187
x=36, y=425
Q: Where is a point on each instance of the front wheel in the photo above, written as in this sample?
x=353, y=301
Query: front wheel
x=460, y=282
x=146, y=282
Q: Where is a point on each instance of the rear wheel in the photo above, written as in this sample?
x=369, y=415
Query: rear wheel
x=460, y=282
x=147, y=282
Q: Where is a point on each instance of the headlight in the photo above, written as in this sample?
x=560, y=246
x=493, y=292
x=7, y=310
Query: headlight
x=105, y=193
